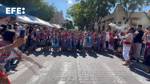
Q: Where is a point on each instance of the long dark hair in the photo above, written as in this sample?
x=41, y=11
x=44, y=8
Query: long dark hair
x=9, y=36
x=131, y=30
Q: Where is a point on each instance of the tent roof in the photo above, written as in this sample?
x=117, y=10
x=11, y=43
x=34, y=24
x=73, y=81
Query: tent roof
x=32, y=20
x=57, y=26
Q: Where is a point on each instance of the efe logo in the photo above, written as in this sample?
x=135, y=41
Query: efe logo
x=15, y=10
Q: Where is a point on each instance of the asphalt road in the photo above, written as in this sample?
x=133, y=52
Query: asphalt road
x=80, y=68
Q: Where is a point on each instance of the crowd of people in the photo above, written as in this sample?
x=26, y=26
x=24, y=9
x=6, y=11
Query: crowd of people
x=18, y=39
x=133, y=43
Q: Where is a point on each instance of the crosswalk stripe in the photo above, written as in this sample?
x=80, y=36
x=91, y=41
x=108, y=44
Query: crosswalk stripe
x=42, y=73
x=116, y=77
x=65, y=69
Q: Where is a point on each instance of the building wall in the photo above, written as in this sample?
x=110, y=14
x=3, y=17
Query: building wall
x=58, y=18
x=119, y=17
x=143, y=21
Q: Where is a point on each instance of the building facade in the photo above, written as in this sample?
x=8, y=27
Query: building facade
x=58, y=18
x=119, y=17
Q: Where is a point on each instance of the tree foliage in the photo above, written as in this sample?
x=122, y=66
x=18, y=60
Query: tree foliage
x=37, y=8
x=68, y=24
x=87, y=12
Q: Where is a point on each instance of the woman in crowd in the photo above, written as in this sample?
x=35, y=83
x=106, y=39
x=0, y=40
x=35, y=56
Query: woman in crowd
x=49, y=39
x=69, y=41
x=116, y=40
x=107, y=39
x=55, y=41
x=63, y=40
x=147, y=50
x=127, y=42
x=81, y=39
x=103, y=39
x=30, y=40
x=95, y=41
x=75, y=41
x=111, y=40
x=88, y=41
x=9, y=37
x=99, y=42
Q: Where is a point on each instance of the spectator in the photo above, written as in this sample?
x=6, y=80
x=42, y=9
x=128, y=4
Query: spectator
x=127, y=45
x=137, y=42
x=147, y=50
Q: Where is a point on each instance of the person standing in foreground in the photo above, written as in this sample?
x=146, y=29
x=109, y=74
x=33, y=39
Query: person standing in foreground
x=127, y=42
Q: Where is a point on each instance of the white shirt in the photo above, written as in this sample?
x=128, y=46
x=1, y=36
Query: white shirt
x=107, y=36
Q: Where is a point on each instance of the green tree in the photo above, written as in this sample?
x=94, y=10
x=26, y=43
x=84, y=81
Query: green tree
x=87, y=12
x=68, y=24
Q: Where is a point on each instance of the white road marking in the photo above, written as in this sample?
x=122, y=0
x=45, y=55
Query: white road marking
x=118, y=80
x=65, y=69
x=42, y=73
x=61, y=82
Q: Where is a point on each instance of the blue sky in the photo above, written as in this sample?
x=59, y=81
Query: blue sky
x=62, y=5
x=146, y=8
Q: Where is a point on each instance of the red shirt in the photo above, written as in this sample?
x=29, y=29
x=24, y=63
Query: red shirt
x=111, y=36
x=4, y=78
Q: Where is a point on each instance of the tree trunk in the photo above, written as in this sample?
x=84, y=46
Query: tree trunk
x=99, y=23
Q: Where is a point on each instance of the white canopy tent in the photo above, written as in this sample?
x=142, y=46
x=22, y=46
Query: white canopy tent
x=32, y=20
x=57, y=26
x=42, y=22
x=25, y=19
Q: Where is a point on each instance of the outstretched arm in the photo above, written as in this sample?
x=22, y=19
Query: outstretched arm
x=17, y=43
x=23, y=56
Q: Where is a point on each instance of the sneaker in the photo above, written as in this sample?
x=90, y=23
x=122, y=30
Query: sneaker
x=126, y=63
